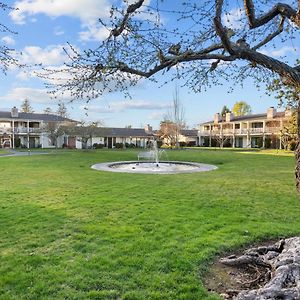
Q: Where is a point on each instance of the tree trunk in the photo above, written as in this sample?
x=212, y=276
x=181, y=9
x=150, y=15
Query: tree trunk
x=277, y=271
x=297, y=151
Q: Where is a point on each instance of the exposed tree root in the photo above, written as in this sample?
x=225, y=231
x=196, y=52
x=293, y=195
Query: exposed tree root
x=276, y=266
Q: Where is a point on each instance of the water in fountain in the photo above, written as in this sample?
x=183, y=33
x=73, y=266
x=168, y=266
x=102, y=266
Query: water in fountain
x=152, y=155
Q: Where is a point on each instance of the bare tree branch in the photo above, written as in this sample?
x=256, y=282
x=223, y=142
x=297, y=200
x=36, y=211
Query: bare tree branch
x=270, y=36
x=148, y=48
x=220, y=30
x=130, y=10
x=281, y=9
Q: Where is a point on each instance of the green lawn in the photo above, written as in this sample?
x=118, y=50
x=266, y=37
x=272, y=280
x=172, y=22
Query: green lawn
x=2, y=151
x=70, y=232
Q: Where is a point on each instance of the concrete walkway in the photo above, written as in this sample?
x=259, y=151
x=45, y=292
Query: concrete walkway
x=13, y=152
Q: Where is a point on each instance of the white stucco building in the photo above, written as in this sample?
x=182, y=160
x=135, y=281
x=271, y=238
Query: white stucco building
x=249, y=131
x=29, y=130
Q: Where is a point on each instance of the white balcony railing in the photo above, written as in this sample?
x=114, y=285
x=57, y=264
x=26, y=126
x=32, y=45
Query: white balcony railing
x=5, y=130
x=18, y=130
x=26, y=130
x=256, y=130
x=268, y=130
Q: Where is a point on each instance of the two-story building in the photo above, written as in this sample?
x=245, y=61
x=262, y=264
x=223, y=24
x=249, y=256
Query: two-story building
x=28, y=130
x=37, y=130
x=248, y=131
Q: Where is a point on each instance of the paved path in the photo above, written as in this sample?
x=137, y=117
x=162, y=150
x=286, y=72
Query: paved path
x=22, y=153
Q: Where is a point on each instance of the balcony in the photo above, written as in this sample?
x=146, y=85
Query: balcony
x=5, y=130
x=24, y=130
x=273, y=130
x=205, y=132
x=256, y=130
x=242, y=131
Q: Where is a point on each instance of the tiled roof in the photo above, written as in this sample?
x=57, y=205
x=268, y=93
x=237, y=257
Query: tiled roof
x=34, y=116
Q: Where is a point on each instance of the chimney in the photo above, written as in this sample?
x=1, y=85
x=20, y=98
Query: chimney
x=288, y=113
x=14, y=112
x=217, y=118
x=148, y=128
x=271, y=112
x=228, y=117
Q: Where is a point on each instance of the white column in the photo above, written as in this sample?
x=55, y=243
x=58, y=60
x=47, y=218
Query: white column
x=264, y=134
x=13, y=134
x=221, y=135
x=248, y=136
x=28, y=134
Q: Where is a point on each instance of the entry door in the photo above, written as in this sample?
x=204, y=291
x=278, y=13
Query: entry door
x=109, y=142
x=31, y=142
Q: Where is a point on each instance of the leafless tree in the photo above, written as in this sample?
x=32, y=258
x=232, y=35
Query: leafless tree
x=48, y=110
x=54, y=130
x=167, y=132
x=62, y=110
x=220, y=139
x=174, y=121
x=85, y=131
x=203, y=48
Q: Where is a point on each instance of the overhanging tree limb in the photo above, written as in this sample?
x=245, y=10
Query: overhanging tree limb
x=130, y=10
x=281, y=9
x=137, y=51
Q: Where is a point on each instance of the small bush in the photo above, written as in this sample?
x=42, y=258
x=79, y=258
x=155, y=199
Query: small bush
x=127, y=145
x=97, y=146
x=159, y=144
x=119, y=146
x=191, y=144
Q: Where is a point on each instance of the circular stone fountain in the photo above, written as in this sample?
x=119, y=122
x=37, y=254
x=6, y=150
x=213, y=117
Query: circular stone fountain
x=153, y=165
x=163, y=167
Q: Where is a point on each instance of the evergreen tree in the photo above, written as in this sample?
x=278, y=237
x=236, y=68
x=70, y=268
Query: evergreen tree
x=62, y=110
x=48, y=110
x=224, y=110
x=26, y=107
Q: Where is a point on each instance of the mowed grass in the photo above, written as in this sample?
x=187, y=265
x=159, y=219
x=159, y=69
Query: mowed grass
x=2, y=151
x=70, y=232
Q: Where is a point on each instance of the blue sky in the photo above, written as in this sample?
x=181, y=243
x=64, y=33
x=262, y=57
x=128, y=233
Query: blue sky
x=45, y=26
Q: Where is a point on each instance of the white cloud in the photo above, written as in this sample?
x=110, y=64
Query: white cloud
x=85, y=10
x=281, y=51
x=88, y=11
x=126, y=105
x=51, y=55
x=39, y=96
x=94, y=32
x=24, y=75
x=59, y=31
x=8, y=40
x=234, y=18
x=34, y=95
x=157, y=115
